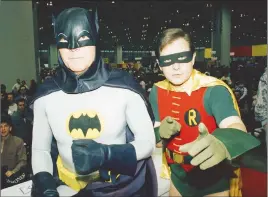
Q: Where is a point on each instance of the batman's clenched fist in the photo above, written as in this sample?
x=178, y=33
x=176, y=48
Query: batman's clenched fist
x=89, y=156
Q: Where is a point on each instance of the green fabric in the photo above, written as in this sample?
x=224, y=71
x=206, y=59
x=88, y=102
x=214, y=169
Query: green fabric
x=236, y=141
x=255, y=159
x=218, y=103
x=154, y=103
x=157, y=135
x=177, y=178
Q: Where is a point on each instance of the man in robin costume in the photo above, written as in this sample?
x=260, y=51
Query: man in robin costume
x=197, y=122
x=99, y=118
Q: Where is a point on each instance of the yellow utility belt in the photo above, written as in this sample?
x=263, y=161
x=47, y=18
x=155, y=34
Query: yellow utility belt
x=72, y=180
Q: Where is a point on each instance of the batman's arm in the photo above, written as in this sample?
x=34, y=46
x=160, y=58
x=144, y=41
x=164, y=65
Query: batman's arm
x=42, y=138
x=140, y=124
x=43, y=181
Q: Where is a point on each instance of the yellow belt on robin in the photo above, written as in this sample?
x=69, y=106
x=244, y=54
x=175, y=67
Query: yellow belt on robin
x=176, y=157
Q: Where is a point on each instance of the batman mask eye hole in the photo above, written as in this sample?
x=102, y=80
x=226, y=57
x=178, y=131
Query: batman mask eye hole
x=63, y=40
x=167, y=61
x=182, y=58
x=83, y=38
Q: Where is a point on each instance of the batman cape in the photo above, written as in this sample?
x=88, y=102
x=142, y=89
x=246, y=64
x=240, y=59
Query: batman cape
x=145, y=177
x=144, y=182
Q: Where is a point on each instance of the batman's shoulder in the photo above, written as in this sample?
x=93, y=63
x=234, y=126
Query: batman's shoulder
x=122, y=79
x=47, y=87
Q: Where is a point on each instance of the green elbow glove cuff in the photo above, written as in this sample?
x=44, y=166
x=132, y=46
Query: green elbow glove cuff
x=157, y=135
x=236, y=141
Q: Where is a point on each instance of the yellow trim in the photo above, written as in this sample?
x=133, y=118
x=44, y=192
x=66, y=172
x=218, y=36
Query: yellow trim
x=201, y=80
x=71, y=179
x=236, y=184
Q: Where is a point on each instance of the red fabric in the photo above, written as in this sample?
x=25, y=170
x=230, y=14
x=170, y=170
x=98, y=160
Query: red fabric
x=254, y=183
x=242, y=51
x=170, y=102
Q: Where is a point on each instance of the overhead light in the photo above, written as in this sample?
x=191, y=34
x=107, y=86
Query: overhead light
x=113, y=1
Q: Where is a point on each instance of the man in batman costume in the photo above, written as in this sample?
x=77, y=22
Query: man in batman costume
x=99, y=118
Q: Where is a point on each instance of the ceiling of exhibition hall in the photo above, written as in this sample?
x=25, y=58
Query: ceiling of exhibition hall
x=136, y=24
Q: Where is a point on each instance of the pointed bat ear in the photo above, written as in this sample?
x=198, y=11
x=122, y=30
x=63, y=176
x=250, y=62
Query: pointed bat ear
x=94, y=16
x=96, y=20
x=53, y=23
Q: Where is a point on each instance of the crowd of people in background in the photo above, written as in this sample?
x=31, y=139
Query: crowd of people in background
x=247, y=80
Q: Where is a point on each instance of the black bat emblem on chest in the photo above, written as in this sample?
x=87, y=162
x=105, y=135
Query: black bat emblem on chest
x=84, y=122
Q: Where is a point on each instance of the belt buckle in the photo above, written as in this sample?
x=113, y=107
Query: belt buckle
x=178, y=158
x=91, y=178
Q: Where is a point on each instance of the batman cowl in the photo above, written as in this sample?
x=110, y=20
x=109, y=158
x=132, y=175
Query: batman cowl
x=71, y=25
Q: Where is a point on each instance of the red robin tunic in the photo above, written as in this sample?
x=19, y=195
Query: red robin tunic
x=189, y=114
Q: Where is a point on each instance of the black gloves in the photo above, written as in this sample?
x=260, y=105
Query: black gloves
x=90, y=156
x=44, y=185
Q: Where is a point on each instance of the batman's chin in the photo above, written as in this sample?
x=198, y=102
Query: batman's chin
x=89, y=134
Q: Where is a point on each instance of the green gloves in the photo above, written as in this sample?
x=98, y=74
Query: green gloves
x=206, y=150
x=169, y=127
